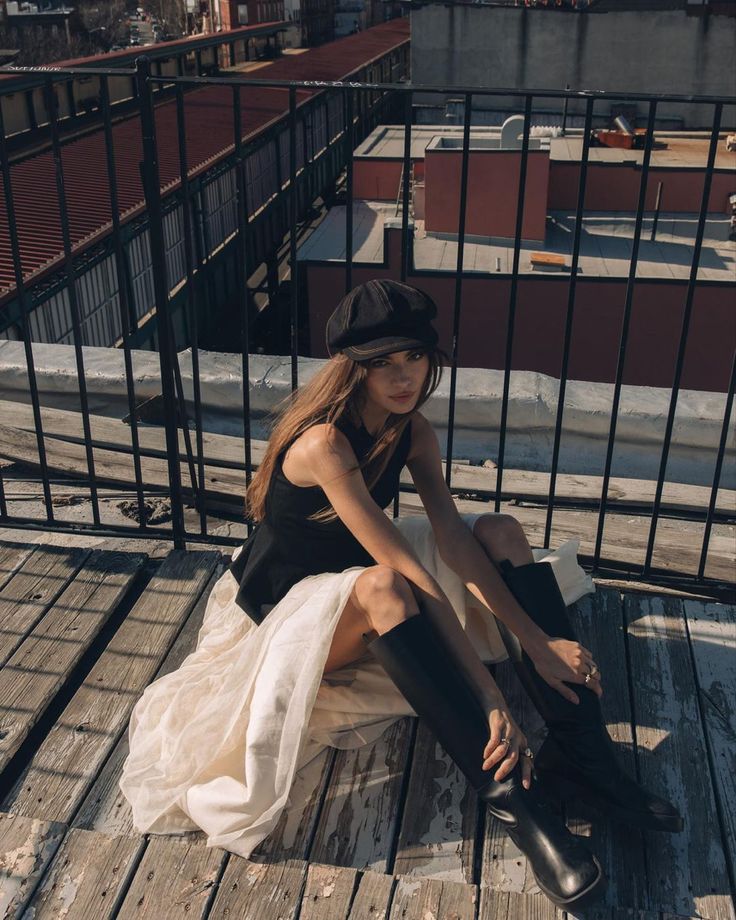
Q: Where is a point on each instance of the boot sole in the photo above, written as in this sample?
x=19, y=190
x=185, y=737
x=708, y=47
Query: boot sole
x=588, y=896
x=566, y=788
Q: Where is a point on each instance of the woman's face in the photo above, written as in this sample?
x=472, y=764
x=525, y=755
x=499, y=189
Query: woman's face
x=394, y=382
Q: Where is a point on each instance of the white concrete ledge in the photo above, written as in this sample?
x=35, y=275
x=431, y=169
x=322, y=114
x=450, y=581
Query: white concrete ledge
x=531, y=419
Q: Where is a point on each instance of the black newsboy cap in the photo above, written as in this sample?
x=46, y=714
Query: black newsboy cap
x=379, y=317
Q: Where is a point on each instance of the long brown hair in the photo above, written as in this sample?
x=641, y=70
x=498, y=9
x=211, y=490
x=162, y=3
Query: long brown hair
x=333, y=391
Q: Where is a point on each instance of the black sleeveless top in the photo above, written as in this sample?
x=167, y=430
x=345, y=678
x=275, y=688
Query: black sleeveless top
x=286, y=546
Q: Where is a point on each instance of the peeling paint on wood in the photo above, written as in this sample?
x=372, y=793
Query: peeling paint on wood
x=27, y=845
x=86, y=877
x=510, y=905
x=260, y=891
x=174, y=879
x=438, y=829
x=328, y=893
x=68, y=760
x=686, y=872
x=431, y=899
x=373, y=897
x=358, y=821
x=712, y=633
x=291, y=837
x=41, y=664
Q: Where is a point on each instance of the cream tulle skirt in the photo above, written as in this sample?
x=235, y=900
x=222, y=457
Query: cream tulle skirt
x=215, y=744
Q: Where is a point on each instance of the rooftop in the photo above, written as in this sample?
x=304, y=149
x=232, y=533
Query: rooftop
x=605, y=246
x=673, y=149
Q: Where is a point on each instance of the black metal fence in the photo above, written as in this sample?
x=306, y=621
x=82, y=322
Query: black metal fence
x=356, y=100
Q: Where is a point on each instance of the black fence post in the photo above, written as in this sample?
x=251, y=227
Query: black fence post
x=152, y=193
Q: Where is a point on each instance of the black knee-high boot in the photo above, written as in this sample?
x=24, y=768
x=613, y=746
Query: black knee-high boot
x=577, y=758
x=414, y=657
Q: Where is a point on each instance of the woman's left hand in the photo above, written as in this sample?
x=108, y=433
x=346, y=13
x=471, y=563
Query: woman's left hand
x=506, y=746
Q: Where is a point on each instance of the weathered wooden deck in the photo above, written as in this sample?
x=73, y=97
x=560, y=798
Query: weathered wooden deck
x=388, y=831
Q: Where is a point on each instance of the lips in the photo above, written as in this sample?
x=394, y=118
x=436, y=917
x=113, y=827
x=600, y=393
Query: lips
x=403, y=396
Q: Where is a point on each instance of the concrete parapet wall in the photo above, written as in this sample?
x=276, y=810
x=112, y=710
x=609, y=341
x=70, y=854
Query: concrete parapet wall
x=531, y=419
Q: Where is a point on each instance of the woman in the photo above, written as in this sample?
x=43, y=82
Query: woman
x=332, y=465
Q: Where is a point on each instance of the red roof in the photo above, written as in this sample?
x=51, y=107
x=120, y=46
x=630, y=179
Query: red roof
x=208, y=113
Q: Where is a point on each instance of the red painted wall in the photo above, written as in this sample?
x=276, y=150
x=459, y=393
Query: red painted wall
x=540, y=323
x=376, y=180
x=615, y=187
x=493, y=187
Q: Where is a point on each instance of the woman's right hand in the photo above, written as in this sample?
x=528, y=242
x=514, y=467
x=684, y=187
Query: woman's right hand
x=506, y=746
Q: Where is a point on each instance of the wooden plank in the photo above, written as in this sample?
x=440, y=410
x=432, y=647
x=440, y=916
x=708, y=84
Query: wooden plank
x=260, y=891
x=431, y=899
x=712, y=635
x=598, y=621
x=32, y=591
x=12, y=557
x=438, y=829
x=292, y=836
x=373, y=897
x=686, y=872
x=359, y=818
x=86, y=878
x=175, y=878
x=509, y=905
x=27, y=846
x=328, y=893
x=105, y=808
x=503, y=866
x=67, y=761
x=110, y=434
x=43, y=662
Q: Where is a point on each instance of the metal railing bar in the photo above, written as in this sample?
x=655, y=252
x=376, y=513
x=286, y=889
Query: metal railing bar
x=717, y=472
x=624, y=337
x=349, y=189
x=24, y=325
x=71, y=281
x=520, y=202
x=152, y=185
x=468, y=99
x=460, y=90
x=244, y=291
x=121, y=269
x=293, y=211
x=405, y=188
x=191, y=306
x=181, y=409
x=700, y=233
x=570, y=315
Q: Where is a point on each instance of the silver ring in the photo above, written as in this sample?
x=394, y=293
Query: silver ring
x=527, y=752
x=594, y=669
x=505, y=741
x=588, y=678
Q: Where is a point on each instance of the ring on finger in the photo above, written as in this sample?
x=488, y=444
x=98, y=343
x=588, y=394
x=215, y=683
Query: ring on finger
x=588, y=678
x=506, y=741
x=527, y=752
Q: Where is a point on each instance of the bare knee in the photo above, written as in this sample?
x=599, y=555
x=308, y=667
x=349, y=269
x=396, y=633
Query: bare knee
x=503, y=537
x=385, y=597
